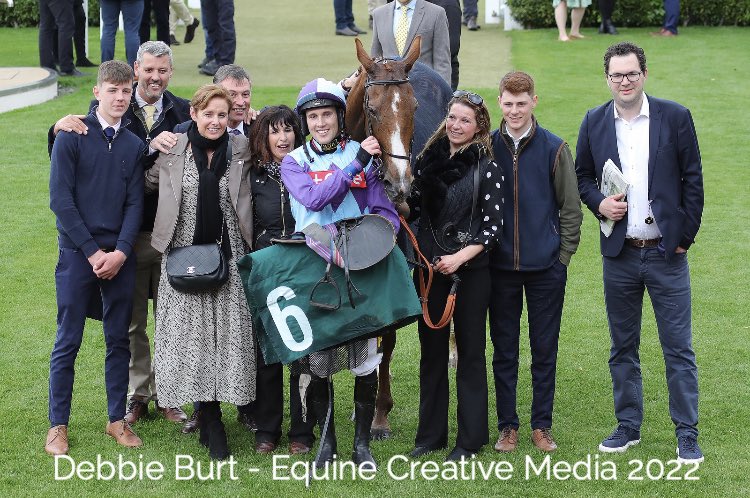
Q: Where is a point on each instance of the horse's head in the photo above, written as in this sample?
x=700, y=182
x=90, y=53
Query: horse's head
x=389, y=106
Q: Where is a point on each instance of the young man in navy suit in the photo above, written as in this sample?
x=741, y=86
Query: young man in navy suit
x=653, y=142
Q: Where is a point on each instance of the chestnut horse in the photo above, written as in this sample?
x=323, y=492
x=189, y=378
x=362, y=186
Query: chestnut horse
x=383, y=103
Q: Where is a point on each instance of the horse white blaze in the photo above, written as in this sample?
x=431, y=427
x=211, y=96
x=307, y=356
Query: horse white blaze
x=397, y=147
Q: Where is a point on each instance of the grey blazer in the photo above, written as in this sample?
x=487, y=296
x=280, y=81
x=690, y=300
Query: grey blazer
x=429, y=21
x=166, y=176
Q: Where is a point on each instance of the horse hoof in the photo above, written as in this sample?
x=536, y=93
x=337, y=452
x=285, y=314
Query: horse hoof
x=380, y=434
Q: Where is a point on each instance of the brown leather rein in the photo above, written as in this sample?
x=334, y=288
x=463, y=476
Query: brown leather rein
x=424, y=287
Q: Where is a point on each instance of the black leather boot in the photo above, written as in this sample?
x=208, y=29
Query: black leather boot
x=213, y=433
x=320, y=393
x=365, y=391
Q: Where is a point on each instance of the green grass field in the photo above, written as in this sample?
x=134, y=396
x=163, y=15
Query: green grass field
x=280, y=43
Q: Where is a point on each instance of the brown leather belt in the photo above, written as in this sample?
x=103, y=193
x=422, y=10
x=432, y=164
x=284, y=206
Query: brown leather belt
x=641, y=243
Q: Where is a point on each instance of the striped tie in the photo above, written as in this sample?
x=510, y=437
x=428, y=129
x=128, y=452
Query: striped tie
x=402, y=30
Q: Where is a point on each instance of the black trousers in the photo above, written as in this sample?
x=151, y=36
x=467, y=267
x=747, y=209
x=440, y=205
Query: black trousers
x=56, y=20
x=161, y=15
x=469, y=321
x=545, y=291
x=606, y=7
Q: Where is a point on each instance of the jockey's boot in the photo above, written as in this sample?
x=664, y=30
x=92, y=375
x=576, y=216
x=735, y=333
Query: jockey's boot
x=365, y=390
x=322, y=400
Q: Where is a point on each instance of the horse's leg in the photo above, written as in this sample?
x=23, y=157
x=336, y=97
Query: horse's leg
x=381, y=428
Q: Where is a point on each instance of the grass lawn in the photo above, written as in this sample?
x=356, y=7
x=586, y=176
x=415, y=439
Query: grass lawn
x=703, y=68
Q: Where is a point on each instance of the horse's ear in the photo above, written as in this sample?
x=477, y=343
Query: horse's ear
x=363, y=57
x=413, y=54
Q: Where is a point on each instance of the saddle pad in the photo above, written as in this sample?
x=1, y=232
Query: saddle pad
x=278, y=281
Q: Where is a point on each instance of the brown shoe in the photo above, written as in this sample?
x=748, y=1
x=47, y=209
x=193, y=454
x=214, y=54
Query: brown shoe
x=57, y=440
x=542, y=439
x=174, y=414
x=508, y=440
x=297, y=448
x=663, y=32
x=265, y=447
x=193, y=423
x=137, y=409
x=123, y=434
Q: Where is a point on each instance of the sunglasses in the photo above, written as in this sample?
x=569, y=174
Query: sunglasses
x=470, y=96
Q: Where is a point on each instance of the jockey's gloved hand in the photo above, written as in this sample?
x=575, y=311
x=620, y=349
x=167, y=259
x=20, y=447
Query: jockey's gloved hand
x=359, y=163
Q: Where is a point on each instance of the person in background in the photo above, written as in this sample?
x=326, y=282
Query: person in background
x=606, y=7
x=179, y=11
x=578, y=8
x=342, y=10
x=131, y=11
x=671, y=18
x=160, y=9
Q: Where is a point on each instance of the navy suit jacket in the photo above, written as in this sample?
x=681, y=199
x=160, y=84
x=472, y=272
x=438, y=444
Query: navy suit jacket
x=675, y=177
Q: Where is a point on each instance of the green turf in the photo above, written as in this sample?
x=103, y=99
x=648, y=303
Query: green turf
x=704, y=68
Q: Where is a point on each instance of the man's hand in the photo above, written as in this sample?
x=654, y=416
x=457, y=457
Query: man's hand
x=164, y=141
x=680, y=250
x=613, y=207
x=109, y=264
x=94, y=258
x=252, y=115
x=371, y=145
x=72, y=123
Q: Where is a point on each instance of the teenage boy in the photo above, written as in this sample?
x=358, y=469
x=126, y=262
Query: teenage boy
x=96, y=193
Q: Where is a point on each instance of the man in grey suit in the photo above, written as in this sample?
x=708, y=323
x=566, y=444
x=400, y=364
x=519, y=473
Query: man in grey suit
x=412, y=18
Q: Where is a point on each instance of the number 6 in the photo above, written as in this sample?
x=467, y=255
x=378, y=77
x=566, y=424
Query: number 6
x=280, y=316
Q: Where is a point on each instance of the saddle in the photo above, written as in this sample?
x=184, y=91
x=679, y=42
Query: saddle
x=351, y=244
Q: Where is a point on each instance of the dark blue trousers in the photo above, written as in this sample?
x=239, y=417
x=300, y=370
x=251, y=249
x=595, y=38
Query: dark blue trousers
x=56, y=20
x=218, y=16
x=545, y=293
x=671, y=15
x=470, y=9
x=342, y=9
x=668, y=285
x=76, y=283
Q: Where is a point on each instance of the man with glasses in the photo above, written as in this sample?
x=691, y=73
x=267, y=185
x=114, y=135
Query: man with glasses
x=653, y=142
x=541, y=229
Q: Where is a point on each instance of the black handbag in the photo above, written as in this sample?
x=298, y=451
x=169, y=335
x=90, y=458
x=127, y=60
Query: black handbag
x=197, y=268
x=450, y=238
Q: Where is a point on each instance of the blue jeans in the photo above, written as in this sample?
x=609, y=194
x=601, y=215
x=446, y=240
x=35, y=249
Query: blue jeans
x=671, y=15
x=132, y=10
x=470, y=9
x=342, y=9
x=668, y=284
x=218, y=17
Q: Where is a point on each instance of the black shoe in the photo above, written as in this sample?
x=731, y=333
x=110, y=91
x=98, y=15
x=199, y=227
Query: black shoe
x=85, y=62
x=419, y=451
x=205, y=61
x=75, y=72
x=609, y=27
x=173, y=40
x=190, y=30
x=193, y=423
x=458, y=453
x=210, y=68
x=471, y=23
x=346, y=32
x=357, y=29
x=247, y=420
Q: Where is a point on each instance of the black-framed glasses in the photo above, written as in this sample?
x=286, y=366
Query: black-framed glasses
x=470, y=96
x=618, y=77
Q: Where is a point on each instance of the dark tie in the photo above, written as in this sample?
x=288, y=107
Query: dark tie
x=235, y=132
x=109, y=132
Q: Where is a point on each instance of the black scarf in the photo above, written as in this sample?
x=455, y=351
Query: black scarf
x=439, y=170
x=209, y=217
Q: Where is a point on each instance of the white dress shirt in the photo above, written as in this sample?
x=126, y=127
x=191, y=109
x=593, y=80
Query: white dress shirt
x=633, y=149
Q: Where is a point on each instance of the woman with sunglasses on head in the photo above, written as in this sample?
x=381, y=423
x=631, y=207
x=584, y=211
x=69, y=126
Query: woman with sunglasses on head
x=276, y=132
x=457, y=198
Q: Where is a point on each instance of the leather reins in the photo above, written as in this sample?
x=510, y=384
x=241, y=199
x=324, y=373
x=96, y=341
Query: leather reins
x=424, y=287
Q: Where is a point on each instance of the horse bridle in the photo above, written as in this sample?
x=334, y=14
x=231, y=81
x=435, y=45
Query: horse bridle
x=370, y=113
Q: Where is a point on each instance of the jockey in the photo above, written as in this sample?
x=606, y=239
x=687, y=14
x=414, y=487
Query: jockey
x=329, y=178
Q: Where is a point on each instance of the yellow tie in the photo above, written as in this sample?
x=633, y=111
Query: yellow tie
x=402, y=30
x=149, y=111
